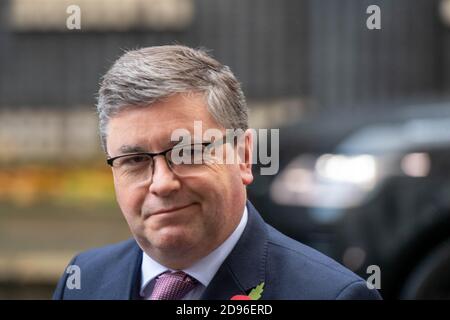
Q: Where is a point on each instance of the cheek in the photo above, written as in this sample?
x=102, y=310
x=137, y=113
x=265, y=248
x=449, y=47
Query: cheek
x=224, y=185
x=232, y=176
x=129, y=201
x=235, y=189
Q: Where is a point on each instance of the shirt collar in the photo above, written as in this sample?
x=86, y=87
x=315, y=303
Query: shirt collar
x=205, y=268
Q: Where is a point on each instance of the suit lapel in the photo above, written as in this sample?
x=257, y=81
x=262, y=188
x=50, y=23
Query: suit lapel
x=245, y=267
x=223, y=286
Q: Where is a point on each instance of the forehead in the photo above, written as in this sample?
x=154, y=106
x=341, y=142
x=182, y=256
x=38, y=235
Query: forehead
x=150, y=128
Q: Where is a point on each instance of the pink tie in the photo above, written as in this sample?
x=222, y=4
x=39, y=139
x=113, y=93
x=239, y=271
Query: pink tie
x=172, y=286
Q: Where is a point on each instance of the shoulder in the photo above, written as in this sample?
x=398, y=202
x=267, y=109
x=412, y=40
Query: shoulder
x=104, y=273
x=290, y=250
x=301, y=272
x=109, y=253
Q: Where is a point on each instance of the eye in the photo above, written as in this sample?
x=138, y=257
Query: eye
x=192, y=154
x=134, y=160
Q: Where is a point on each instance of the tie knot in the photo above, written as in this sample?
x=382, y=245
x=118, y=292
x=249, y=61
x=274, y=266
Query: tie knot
x=172, y=286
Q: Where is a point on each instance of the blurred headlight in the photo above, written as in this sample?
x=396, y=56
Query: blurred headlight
x=328, y=181
x=359, y=169
x=417, y=164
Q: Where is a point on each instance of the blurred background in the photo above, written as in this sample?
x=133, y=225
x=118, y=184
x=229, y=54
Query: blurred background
x=364, y=118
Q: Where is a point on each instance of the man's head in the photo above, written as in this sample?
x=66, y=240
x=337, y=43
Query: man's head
x=142, y=77
x=143, y=99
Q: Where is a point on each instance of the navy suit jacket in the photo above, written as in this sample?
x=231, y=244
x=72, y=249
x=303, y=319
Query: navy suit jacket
x=289, y=269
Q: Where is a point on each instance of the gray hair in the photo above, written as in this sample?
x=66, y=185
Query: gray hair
x=142, y=77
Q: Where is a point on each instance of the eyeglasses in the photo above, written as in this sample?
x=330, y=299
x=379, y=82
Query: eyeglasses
x=183, y=160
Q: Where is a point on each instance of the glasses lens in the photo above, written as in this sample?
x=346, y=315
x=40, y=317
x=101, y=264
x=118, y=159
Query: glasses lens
x=134, y=166
x=188, y=160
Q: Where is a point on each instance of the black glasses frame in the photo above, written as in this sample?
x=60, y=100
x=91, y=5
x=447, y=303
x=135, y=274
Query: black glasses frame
x=164, y=153
x=110, y=161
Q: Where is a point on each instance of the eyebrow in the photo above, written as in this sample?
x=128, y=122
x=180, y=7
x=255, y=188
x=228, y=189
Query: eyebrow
x=125, y=149
x=131, y=149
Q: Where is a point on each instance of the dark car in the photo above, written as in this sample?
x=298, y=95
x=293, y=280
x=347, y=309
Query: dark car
x=372, y=191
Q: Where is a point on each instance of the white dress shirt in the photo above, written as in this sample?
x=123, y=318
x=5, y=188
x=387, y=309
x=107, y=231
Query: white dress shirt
x=203, y=270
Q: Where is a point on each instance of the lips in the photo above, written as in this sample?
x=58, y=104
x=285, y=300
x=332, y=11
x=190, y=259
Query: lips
x=169, y=210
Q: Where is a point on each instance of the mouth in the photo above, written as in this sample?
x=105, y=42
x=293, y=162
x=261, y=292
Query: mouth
x=168, y=210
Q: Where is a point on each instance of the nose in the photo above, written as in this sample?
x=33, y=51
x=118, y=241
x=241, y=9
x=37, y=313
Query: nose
x=164, y=181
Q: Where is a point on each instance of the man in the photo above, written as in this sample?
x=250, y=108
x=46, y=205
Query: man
x=195, y=234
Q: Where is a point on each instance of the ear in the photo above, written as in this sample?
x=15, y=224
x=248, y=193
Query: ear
x=246, y=157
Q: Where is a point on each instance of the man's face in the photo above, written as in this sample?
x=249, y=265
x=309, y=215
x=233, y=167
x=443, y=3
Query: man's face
x=172, y=216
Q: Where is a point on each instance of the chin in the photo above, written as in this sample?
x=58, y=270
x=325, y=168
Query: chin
x=171, y=239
